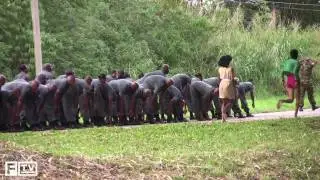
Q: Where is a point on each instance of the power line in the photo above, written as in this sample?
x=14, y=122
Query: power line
x=300, y=9
x=300, y=4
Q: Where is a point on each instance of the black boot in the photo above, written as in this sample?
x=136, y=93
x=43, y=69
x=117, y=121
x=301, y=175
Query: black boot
x=180, y=118
x=219, y=116
x=158, y=119
x=150, y=119
x=3, y=127
x=213, y=114
x=300, y=108
x=169, y=119
x=139, y=119
x=191, y=116
x=314, y=107
x=121, y=120
x=240, y=116
x=115, y=120
x=206, y=116
x=249, y=114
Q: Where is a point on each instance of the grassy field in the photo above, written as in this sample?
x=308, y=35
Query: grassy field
x=266, y=149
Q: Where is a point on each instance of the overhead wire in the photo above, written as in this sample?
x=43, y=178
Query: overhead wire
x=300, y=9
x=300, y=4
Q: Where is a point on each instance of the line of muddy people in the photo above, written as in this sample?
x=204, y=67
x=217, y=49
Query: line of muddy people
x=66, y=101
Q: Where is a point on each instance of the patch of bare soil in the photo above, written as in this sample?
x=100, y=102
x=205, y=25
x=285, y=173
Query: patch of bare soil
x=53, y=167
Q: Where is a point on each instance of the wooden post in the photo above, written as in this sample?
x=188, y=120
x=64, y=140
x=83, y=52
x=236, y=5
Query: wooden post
x=36, y=34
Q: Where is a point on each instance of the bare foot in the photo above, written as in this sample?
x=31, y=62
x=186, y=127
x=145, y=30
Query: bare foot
x=224, y=117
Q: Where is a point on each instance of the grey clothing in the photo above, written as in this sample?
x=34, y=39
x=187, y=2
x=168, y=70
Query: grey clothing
x=173, y=95
x=157, y=72
x=201, y=97
x=23, y=75
x=243, y=88
x=102, y=98
x=44, y=76
x=27, y=97
x=213, y=81
x=181, y=81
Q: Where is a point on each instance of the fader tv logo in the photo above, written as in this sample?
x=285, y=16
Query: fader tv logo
x=26, y=168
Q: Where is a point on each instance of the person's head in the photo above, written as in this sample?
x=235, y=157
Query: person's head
x=165, y=68
x=134, y=86
x=71, y=79
x=102, y=78
x=199, y=76
x=224, y=61
x=47, y=67
x=88, y=79
x=126, y=75
x=23, y=68
x=114, y=74
x=120, y=74
x=69, y=73
x=42, y=79
x=294, y=54
x=3, y=79
x=169, y=82
x=140, y=75
x=34, y=86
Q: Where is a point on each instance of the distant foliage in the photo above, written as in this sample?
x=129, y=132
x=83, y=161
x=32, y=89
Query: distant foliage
x=95, y=36
x=15, y=35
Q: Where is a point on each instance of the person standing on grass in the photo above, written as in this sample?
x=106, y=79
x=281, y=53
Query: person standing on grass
x=227, y=88
x=306, y=67
x=290, y=75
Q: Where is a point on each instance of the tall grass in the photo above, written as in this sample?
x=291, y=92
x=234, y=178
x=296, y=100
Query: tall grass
x=259, y=52
x=96, y=36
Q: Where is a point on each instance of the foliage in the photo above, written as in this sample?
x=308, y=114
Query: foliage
x=15, y=35
x=96, y=36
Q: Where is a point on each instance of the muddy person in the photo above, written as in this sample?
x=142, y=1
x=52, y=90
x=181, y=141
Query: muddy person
x=306, y=67
x=290, y=74
x=243, y=89
x=23, y=73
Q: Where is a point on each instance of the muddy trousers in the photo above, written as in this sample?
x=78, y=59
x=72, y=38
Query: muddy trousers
x=309, y=89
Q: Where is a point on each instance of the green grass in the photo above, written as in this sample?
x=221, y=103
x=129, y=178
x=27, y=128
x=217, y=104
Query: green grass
x=268, y=104
x=287, y=148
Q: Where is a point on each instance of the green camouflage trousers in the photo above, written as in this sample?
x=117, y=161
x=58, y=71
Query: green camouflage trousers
x=309, y=89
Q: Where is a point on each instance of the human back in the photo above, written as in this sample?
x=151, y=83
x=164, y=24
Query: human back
x=226, y=73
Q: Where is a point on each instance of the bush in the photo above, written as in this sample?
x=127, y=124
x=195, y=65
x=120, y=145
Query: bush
x=96, y=36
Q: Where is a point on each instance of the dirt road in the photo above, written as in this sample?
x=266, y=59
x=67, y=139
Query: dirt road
x=278, y=115
x=263, y=116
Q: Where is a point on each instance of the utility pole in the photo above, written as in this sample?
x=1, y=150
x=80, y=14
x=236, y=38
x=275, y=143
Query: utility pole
x=36, y=35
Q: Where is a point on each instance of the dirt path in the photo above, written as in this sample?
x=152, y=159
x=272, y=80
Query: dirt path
x=262, y=117
x=278, y=115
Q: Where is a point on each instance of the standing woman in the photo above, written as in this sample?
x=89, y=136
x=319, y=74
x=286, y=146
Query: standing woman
x=227, y=89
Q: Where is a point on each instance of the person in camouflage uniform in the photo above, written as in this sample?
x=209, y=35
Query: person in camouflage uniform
x=306, y=66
